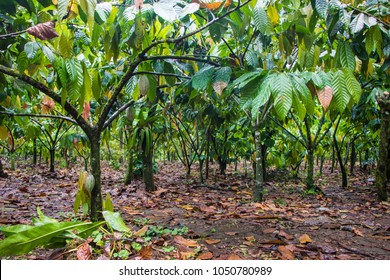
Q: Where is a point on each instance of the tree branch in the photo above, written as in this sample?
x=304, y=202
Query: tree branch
x=38, y=116
x=162, y=74
x=180, y=57
x=117, y=113
x=43, y=88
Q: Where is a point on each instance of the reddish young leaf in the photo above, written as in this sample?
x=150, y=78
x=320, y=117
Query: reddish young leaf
x=325, y=97
x=43, y=31
x=86, y=111
x=47, y=105
x=138, y=4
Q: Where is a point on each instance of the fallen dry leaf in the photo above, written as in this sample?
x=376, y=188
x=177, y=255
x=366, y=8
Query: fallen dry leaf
x=186, y=242
x=212, y=241
x=250, y=238
x=231, y=233
x=205, y=256
x=142, y=231
x=234, y=257
x=285, y=235
x=304, y=239
x=146, y=252
x=84, y=252
x=286, y=253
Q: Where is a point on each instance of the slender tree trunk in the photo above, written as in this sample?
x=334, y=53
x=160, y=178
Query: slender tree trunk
x=310, y=168
x=35, y=151
x=264, y=161
x=52, y=153
x=12, y=160
x=2, y=173
x=130, y=169
x=96, y=194
x=147, y=167
x=344, y=176
x=382, y=172
x=353, y=157
x=201, y=161
x=310, y=158
x=333, y=160
x=259, y=176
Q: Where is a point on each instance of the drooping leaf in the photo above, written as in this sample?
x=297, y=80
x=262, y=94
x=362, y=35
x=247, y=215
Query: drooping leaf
x=63, y=8
x=281, y=89
x=43, y=31
x=340, y=91
x=31, y=49
x=25, y=241
x=325, y=96
x=346, y=56
x=202, y=78
x=320, y=6
x=352, y=84
x=115, y=221
x=221, y=79
x=357, y=24
x=262, y=21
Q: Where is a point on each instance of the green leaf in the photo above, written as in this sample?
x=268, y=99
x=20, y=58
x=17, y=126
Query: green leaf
x=320, y=6
x=107, y=204
x=340, y=91
x=31, y=49
x=281, y=89
x=262, y=97
x=89, y=7
x=62, y=8
x=25, y=241
x=353, y=85
x=10, y=230
x=357, y=24
x=345, y=56
x=202, y=78
x=96, y=85
x=115, y=221
x=22, y=61
x=166, y=10
x=262, y=21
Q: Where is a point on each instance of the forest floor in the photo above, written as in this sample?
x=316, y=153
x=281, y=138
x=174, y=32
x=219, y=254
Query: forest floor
x=217, y=221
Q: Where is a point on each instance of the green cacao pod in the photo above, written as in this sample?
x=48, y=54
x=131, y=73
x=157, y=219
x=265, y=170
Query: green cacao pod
x=130, y=114
x=143, y=85
x=89, y=183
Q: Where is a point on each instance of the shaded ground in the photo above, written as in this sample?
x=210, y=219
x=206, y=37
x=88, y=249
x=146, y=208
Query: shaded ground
x=223, y=223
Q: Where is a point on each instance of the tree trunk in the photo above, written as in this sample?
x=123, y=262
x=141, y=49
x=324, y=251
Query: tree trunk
x=381, y=180
x=12, y=161
x=201, y=161
x=310, y=168
x=52, y=153
x=259, y=176
x=2, y=173
x=344, y=176
x=35, y=156
x=130, y=169
x=96, y=194
x=264, y=161
x=353, y=157
x=147, y=168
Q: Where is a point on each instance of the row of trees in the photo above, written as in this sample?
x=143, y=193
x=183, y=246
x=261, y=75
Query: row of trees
x=226, y=80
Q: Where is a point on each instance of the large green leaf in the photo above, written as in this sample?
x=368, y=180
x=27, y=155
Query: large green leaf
x=345, y=56
x=202, y=78
x=25, y=241
x=31, y=49
x=62, y=8
x=115, y=221
x=353, y=85
x=357, y=24
x=262, y=21
x=282, y=91
x=262, y=97
x=340, y=91
x=320, y=6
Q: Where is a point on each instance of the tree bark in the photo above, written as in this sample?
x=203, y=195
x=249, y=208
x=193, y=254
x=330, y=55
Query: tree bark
x=130, y=169
x=52, y=153
x=259, y=176
x=147, y=167
x=381, y=180
x=2, y=173
x=96, y=194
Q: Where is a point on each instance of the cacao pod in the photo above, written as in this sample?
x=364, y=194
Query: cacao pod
x=143, y=85
x=89, y=183
x=130, y=114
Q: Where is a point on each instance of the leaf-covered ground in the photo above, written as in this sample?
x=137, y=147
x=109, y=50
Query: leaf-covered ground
x=186, y=220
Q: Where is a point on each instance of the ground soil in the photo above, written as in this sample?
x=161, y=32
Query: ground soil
x=222, y=221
